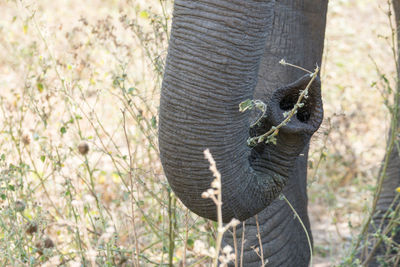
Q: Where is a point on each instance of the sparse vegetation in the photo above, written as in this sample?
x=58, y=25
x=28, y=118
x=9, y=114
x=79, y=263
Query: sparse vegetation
x=80, y=177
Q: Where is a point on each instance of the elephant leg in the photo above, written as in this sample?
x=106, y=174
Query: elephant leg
x=386, y=218
x=284, y=242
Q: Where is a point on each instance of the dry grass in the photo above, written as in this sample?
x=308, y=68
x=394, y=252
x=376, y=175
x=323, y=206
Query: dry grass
x=76, y=76
x=88, y=73
x=354, y=133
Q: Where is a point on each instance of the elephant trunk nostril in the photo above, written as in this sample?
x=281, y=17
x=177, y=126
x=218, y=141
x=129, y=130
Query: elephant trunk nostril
x=288, y=102
x=304, y=113
x=288, y=96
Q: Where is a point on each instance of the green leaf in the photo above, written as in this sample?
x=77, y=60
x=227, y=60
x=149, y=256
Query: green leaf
x=271, y=139
x=190, y=243
x=85, y=210
x=40, y=87
x=63, y=130
x=3, y=196
x=144, y=14
x=245, y=105
x=42, y=158
x=153, y=122
x=286, y=113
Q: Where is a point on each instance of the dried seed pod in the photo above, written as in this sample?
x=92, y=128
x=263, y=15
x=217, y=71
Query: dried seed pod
x=48, y=243
x=31, y=227
x=45, y=243
x=123, y=260
x=83, y=148
x=26, y=139
x=19, y=206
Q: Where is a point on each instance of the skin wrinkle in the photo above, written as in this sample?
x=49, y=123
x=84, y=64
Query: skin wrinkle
x=265, y=222
x=266, y=231
x=267, y=228
x=231, y=21
x=279, y=253
x=235, y=6
x=223, y=15
x=310, y=52
x=280, y=245
x=218, y=123
x=200, y=59
x=274, y=249
x=186, y=33
x=205, y=86
x=231, y=148
x=218, y=42
x=275, y=242
x=292, y=234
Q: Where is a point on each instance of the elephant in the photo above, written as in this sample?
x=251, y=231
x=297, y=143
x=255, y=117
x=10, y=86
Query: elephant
x=221, y=53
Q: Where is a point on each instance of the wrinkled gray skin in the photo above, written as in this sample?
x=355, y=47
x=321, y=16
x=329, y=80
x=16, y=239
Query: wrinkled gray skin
x=221, y=53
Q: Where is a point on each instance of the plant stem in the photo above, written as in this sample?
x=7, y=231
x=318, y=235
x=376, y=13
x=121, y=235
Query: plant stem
x=259, y=242
x=275, y=129
x=302, y=224
x=171, y=233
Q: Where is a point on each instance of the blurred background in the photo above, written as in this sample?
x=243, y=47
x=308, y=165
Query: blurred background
x=81, y=181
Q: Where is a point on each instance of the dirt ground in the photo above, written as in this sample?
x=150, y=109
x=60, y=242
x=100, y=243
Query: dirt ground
x=356, y=121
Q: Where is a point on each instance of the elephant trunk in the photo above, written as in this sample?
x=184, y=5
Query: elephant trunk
x=212, y=66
